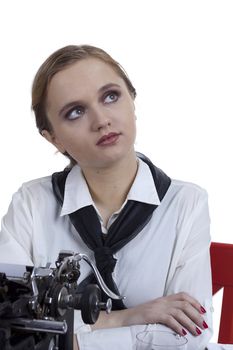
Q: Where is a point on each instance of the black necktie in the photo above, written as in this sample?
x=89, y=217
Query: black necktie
x=131, y=220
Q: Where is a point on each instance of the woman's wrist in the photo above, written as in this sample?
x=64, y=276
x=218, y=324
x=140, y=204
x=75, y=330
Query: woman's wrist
x=75, y=343
x=119, y=318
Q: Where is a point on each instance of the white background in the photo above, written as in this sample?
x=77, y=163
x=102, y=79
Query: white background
x=179, y=55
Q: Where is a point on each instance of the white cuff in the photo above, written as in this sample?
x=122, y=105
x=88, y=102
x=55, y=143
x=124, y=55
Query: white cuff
x=79, y=325
x=102, y=339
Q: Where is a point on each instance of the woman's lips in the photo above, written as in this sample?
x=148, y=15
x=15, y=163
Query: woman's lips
x=108, y=139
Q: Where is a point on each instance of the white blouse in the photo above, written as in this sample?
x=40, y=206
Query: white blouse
x=170, y=254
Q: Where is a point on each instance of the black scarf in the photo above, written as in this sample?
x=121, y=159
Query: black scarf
x=131, y=220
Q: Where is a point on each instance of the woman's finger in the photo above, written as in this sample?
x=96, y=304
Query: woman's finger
x=182, y=296
x=190, y=321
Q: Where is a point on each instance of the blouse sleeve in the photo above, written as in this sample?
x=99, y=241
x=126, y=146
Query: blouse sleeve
x=16, y=231
x=190, y=269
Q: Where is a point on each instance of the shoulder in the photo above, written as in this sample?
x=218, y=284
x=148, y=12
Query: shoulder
x=31, y=199
x=188, y=188
x=40, y=184
x=187, y=195
x=35, y=190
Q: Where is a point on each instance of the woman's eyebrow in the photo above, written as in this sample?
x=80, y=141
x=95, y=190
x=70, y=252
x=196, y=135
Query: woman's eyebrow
x=68, y=106
x=108, y=86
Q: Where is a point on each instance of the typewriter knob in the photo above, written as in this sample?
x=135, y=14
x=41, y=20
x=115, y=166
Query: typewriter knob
x=91, y=305
x=106, y=306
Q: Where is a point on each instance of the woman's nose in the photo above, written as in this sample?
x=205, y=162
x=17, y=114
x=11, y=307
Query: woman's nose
x=99, y=120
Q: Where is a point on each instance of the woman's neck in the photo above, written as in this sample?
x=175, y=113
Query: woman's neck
x=109, y=186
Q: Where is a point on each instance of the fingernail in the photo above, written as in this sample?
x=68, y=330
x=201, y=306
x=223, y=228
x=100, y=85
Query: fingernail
x=203, y=310
x=184, y=331
x=198, y=331
x=205, y=325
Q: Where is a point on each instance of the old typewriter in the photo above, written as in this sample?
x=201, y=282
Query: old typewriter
x=37, y=303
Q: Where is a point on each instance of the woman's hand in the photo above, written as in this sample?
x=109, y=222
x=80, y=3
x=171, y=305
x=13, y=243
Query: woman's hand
x=179, y=312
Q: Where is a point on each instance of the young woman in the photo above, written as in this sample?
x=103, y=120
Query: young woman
x=148, y=234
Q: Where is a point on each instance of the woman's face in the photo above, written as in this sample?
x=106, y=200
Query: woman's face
x=92, y=114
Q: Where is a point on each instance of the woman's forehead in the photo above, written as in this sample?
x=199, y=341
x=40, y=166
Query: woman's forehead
x=86, y=70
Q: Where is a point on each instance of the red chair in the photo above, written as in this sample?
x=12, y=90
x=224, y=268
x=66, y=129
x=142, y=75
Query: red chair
x=222, y=277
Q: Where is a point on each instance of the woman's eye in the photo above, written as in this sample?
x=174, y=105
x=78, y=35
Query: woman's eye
x=75, y=113
x=112, y=96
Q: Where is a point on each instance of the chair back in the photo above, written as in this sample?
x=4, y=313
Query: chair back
x=222, y=277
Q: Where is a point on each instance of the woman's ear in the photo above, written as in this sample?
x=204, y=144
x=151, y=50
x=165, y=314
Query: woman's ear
x=50, y=137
